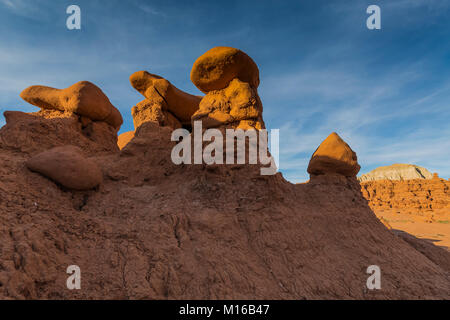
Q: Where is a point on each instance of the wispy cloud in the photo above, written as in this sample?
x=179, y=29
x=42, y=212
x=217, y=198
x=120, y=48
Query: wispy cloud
x=34, y=10
x=151, y=10
x=358, y=109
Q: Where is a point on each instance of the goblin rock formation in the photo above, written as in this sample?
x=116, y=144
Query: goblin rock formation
x=164, y=103
x=82, y=98
x=334, y=156
x=396, y=172
x=156, y=230
x=230, y=80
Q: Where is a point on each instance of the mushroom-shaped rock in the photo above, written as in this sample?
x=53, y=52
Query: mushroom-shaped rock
x=181, y=104
x=83, y=98
x=215, y=69
x=334, y=156
x=67, y=166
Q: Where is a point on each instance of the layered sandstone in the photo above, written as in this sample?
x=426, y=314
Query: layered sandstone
x=414, y=195
x=397, y=172
x=420, y=207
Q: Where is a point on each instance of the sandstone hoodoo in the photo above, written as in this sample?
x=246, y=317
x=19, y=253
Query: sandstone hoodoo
x=397, y=172
x=334, y=156
x=230, y=80
x=165, y=103
x=157, y=230
x=83, y=98
x=67, y=166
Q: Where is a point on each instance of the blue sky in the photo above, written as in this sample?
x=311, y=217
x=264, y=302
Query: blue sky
x=386, y=92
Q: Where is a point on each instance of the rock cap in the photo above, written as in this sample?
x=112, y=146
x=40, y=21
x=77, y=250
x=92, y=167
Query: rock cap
x=333, y=156
x=217, y=67
x=83, y=98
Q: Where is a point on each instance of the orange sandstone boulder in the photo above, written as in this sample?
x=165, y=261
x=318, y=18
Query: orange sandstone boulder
x=334, y=156
x=67, y=166
x=83, y=98
x=215, y=69
x=158, y=90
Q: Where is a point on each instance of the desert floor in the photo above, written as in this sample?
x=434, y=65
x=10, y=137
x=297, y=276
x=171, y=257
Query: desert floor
x=430, y=225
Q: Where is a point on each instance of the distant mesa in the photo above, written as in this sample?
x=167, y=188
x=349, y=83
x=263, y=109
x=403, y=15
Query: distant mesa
x=334, y=156
x=397, y=172
x=124, y=138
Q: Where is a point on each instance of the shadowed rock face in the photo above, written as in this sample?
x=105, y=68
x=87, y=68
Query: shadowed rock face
x=83, y=98
x=397, y=172
x=31, y=133
x=67, y=166
x=334, y=156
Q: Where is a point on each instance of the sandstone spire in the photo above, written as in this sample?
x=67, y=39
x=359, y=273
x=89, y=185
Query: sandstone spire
x=230, y=79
